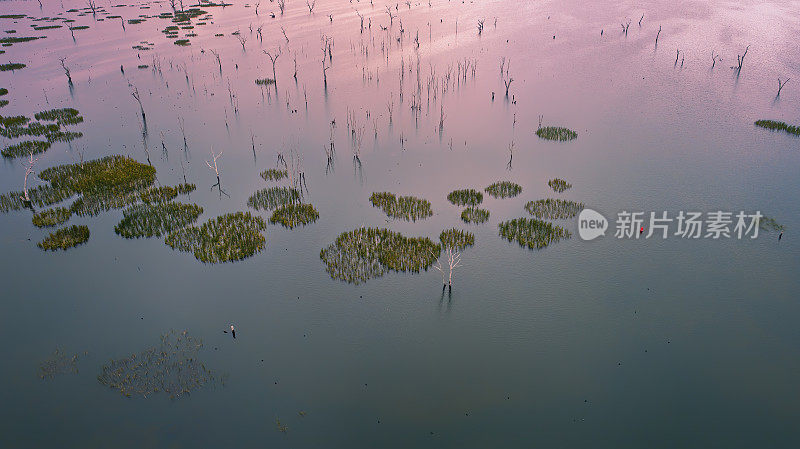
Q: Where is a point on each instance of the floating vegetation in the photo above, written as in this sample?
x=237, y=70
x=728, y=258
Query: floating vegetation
x=11, y=66
x=265, y=81
x=93, y=204
x=12, y=16
x=273, y=174
x=41, y=196
x=456, y=239
x=172, y=368
x=155, y=220
x=770, y=224
x=532, y=233
x=111, y=174
x=465, y=197
x=65, y=238
x=773, y=125
x=408, y=208
x=3, y=91
x=504, y=189
x=227, y=238
x=17, y=40
x=293, y=215
x=182, y=42
x=51, y=217
x=80, y=27
x=556, y=133
x=475, y=215
x=46, y=27
x=273, y=197
x=64, y=116
x=166, y=193
x=558, y=185
x=58, y=363
x=63, y=136
x=363, y=254
x=26, y=148
x=553, y=209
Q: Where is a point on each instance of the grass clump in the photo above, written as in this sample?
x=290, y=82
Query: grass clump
x=273, y=174
x=504, y=189
x=227, y=238
x=773, y=125
x=770, y=224
x=367, y=253
x=155, y=220
x=273, y=198
x=182, y=42
x=532, y=233
x=559, y=185
x=171, y=368
x=51, y=217
x=58, y=363
x=17, y=40
x=475, y=215
x=64, y=116
x=292, y=215
x=3, y=91
x=556, y=133
x=553, y=209
x=11, y=66
x=407, y=208
x=456, y=238
x=65, y=238
x=111, y=174
x=41, y=196
x=465, y=197
x=23, y=149
x=165, y=193
x=265, y=81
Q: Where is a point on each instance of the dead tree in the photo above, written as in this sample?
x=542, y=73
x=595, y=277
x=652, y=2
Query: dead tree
x=281, y=5
x=219, y=61
x=780, y=85
x=625, y=27
x=740, y=61
x=257, y=5
x=391, y=16
x=453, y=255
x=311, y=5
x=658, y=34
x=480, y=26
x=241, y=39
x=93, y=6
x=215, y=167
x=274, y=60
x=138, y=98
x=714, y=58
x=28, y=171
x=508, y=84
x=66, y=70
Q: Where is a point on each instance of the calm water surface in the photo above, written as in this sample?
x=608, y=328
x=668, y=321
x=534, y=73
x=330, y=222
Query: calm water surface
x=610, y=343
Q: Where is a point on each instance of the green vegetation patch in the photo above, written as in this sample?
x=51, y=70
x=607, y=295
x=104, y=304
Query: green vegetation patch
x=12, y=66
x=770, y=224
x=532, y=233
x=559, y=185
x=407, y=208
x=57, y=364
x=111, y=174
x=171, y=368
x=155, y=220
x=556, y=133
x=3, y=91
x=553, y=209
x=12, y=16
x=65, y=238
x=41, y=196
x=17, y=40
x=456, y=239
x=465, y=197
x=165, y=193
x=227, y=238
x=182, y=42
x=64, y=116
x=26, y=148
x=293, y=215
x=504, y=189
x=475, y=215
x=367, y=253
x=265, y=81
x=273, y=174
x=273, y=198
x=773, y=125
x=51, y=217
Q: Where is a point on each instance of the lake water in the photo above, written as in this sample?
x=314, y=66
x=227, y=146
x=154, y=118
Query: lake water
x=622, y=343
